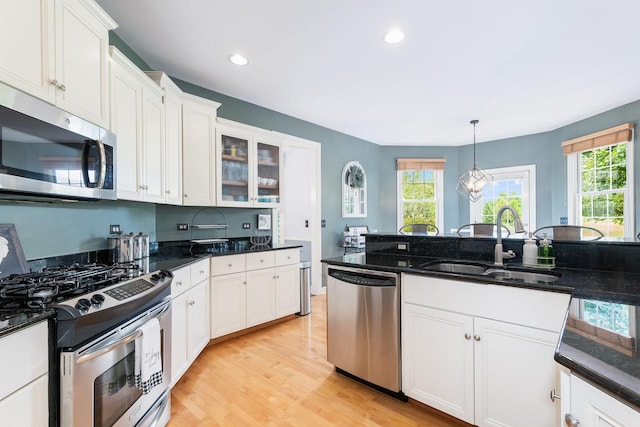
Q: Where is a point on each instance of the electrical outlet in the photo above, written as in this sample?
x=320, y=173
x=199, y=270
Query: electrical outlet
x=323, y=223
x=402, y=246
x=114, y=228
x=246, y=225
x=183, y=227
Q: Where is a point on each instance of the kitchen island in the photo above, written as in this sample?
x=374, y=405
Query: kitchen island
x=617, y=372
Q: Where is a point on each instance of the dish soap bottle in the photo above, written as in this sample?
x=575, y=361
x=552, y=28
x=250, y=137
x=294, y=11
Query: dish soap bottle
x=546, y=252
x=530, y=252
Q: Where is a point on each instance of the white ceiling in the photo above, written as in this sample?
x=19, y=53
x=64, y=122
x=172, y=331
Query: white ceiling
x=520, y=67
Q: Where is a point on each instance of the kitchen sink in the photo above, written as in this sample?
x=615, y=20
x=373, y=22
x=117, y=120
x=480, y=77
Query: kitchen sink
x=529, y=277
x=456, y=267
x=477, y=269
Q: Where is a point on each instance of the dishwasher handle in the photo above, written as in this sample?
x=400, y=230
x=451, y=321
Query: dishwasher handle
x=362, y=279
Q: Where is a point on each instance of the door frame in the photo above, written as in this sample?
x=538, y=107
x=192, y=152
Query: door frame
x=316, y=208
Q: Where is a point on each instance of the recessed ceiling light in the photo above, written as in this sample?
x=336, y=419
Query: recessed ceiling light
x=238, y=59
x=394, y=36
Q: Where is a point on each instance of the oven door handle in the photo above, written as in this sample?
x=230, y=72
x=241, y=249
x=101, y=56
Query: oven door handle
x=131, y=337
x=159, y=408
x=109, y=348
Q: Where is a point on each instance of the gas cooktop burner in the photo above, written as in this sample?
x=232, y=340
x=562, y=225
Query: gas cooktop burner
x=39, y=289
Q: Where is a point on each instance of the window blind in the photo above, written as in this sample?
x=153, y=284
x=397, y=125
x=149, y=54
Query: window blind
x=614, y=135
x=420, y=164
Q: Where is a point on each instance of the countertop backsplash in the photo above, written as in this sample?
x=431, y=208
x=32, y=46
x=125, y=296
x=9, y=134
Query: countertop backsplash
x=594, y=255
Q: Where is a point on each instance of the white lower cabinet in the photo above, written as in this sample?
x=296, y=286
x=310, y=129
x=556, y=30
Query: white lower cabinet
x=591, y=407
x=476, y=351
x=252, y=289
x=228, y=303
x=287, y=289
x=261, y=296
x=24, y=364
x=189, y=316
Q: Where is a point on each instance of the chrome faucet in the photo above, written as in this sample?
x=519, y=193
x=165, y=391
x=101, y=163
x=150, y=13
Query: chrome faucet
x=499, y=254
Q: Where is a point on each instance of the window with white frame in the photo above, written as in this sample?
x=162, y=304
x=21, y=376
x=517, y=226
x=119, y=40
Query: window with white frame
x=514, y=186
x=600, y=181
x=600, y=195
x=420, y=192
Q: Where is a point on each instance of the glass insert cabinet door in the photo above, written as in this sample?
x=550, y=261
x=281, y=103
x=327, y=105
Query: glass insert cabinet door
x=234, y=169
x=248, y=169
x=268, y=176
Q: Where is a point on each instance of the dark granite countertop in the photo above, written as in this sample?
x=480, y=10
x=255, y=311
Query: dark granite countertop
x=172, y=260
x=12, y=320
x=584, y=354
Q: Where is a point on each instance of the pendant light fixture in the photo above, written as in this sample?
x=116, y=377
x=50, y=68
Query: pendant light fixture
x=471, y=183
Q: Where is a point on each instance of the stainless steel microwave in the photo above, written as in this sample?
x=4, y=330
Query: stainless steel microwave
x=45, y=151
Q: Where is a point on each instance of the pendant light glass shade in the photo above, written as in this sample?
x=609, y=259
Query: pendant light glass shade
x=472, y=182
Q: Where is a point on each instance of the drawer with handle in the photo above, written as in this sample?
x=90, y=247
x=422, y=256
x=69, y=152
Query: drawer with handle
x=227, y=264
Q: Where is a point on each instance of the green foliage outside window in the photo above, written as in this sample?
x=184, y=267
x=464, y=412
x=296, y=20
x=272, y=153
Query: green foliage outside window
x=608, y=315
x=603, y=183
x=490, y=208
x=418, y=197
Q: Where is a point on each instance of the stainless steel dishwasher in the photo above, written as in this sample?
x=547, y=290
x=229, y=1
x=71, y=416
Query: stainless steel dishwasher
x=363, y=326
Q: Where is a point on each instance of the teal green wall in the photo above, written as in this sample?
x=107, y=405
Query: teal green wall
x=545, y=151
x=168, y=217
x=337, y=149
x=50, y=229
x=57, y=229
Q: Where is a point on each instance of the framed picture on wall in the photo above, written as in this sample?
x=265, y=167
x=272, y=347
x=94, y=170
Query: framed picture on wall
x=12, y=259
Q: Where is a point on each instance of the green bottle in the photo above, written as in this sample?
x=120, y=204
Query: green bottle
x=546, y=253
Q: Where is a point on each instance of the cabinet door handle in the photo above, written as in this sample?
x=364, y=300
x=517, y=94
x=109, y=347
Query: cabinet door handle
x=192, y=302
x=179, y=283
x=230, y=265
x=54, y=82
x=553, y=396
x=476, y=337
x=571, y=421
x=467, y=337
x=62, y=88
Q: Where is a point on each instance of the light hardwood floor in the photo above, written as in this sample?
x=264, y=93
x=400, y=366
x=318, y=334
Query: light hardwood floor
x=279, y=376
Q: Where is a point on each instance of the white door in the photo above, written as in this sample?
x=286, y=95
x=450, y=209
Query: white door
x=301, y=195
x=515, y=186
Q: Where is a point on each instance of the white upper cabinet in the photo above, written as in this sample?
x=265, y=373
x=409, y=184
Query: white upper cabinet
x=198, y=150
x=249, y=166
x=172, y=101
x=137, y=118
x=58, y=51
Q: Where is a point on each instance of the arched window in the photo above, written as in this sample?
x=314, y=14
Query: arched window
x=354, y=190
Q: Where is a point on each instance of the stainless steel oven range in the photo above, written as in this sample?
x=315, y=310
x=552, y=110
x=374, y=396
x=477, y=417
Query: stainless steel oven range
x=112, y=342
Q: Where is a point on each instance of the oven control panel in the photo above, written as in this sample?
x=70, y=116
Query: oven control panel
x=119, y=293
x=129, y=289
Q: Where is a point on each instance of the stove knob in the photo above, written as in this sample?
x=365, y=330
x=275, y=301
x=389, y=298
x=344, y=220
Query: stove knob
x=97, y=300
x=155, y=278
x=83, y=305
